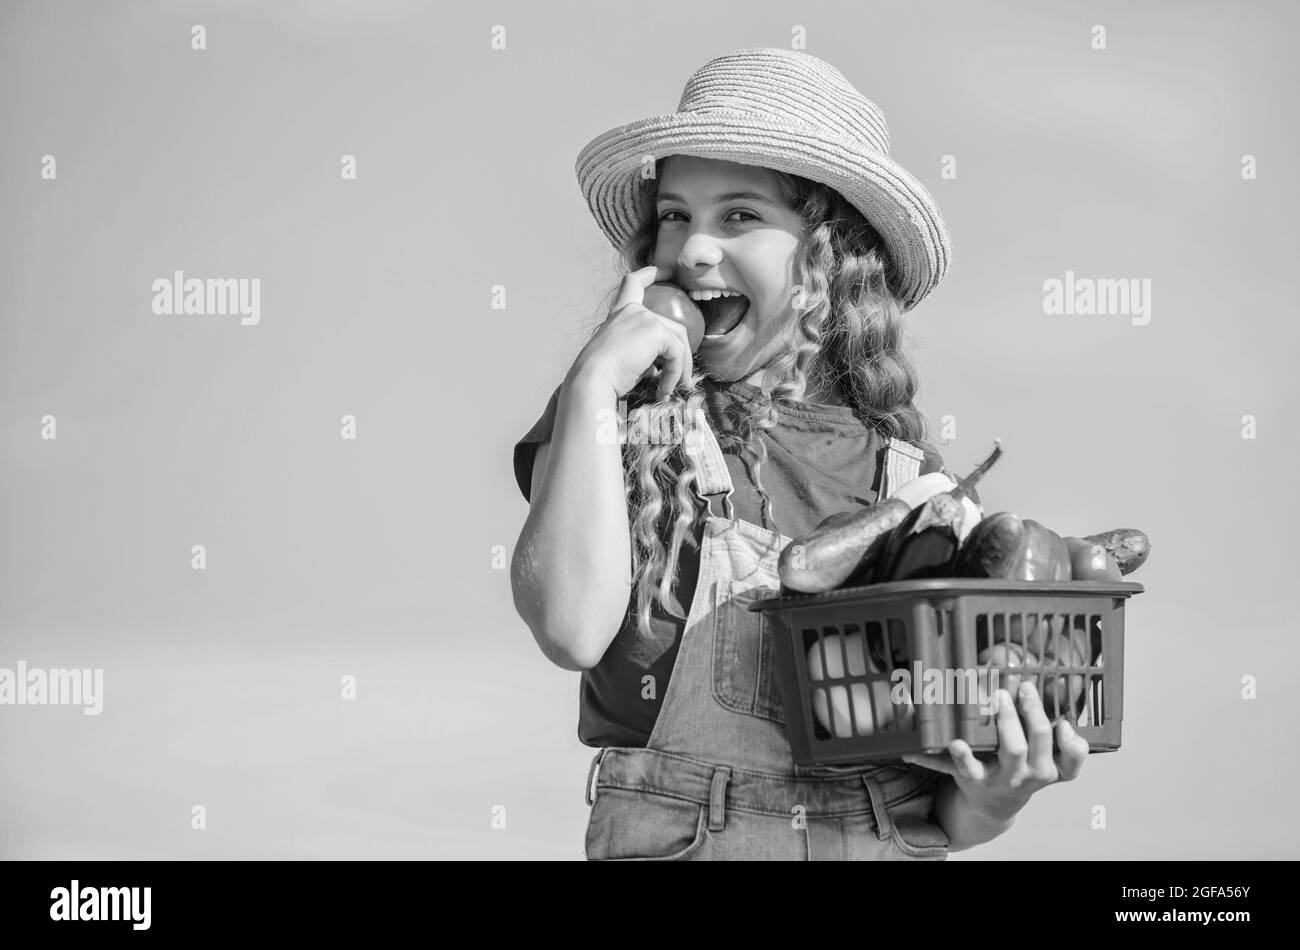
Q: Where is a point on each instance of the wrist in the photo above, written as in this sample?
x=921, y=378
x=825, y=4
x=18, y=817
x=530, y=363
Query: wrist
x=591, y=381
x=965, y=825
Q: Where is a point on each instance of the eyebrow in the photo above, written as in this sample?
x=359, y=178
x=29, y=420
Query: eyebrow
x=729, y=196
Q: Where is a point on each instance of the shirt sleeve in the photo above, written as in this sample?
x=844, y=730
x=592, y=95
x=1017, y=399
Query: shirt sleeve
x=526, y=448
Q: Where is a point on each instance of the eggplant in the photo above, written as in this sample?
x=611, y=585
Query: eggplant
x=927, y=541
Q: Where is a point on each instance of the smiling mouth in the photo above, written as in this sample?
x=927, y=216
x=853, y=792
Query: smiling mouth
x=722, y=315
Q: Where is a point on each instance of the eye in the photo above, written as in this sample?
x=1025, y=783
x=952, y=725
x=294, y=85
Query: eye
x=754, y=217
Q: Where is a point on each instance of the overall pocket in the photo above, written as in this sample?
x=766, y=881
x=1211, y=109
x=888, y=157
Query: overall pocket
x=636, y=825
x=915, y=831
x=744, y=660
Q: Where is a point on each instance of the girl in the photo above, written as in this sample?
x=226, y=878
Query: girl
x=770, y=196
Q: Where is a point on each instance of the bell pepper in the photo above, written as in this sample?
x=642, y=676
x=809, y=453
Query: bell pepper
x=1003, y=546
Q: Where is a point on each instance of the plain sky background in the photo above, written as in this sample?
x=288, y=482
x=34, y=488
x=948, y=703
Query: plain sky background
x=374, y=557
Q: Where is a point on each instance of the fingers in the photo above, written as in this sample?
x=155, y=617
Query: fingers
x=964, y=758
x=632, y=290
x=1013, y=747
x=1074, y=751
x=676, y=356
x=959, y=762
x=1039, y=730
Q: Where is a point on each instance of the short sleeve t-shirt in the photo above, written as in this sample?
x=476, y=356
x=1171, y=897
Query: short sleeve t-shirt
x=820, y=460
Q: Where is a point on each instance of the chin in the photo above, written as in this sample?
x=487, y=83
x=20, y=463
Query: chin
x=731, y=360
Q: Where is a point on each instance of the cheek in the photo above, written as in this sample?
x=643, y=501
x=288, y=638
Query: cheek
x=776, y=319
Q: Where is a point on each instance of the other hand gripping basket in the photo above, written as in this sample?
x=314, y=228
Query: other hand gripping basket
x=893, y=668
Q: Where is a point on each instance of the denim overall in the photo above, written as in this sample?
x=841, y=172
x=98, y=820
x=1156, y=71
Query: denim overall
x=718, y=780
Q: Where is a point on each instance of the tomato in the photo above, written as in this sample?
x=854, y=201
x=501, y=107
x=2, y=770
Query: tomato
x=1040, y=641
x=1042, y=635
x=1060, y=692
x=669, y=300
x=1003, y=657
x=1091, y=562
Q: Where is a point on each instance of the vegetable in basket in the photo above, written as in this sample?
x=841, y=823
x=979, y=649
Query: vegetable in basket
x=1057, y=690
x=862, y=721
x=1090, y=561
x=823, y=559
x=1003, y=546
x=846, y=544
x=1003, y=657
x=926, y=543
x=1128, y=546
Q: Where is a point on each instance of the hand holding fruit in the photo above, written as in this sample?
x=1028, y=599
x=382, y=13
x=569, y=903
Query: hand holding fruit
x=636, y=343
x=669, y=300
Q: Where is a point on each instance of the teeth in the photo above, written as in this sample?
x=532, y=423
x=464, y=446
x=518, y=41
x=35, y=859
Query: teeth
x=711, y=294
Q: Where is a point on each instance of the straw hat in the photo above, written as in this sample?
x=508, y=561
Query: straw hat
x=792, y=112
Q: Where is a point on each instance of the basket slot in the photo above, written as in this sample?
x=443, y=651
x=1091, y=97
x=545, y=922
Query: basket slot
x=896, y=642
x=1093, y=711
x=877, y=647
x=819, y=702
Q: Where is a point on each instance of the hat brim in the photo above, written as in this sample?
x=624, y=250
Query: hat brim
x=895, y=203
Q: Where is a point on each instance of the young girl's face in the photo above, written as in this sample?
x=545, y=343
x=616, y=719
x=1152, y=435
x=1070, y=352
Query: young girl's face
x=743, y=243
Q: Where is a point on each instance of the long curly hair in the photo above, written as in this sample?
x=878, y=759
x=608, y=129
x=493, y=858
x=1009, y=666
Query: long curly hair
x=848, y=337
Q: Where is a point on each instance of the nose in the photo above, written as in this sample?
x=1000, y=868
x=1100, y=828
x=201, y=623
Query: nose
x=699, y=250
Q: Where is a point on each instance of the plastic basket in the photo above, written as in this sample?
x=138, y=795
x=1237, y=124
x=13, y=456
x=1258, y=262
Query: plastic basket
x=934, y=630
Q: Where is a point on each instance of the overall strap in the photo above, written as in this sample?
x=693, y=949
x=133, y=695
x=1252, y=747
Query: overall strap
x=701, y=445
x=902, y=464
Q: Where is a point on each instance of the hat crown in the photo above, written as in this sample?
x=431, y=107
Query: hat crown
x=786, y=87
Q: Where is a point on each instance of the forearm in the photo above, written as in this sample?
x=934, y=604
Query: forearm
x=572, y=566
x=965, y=827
